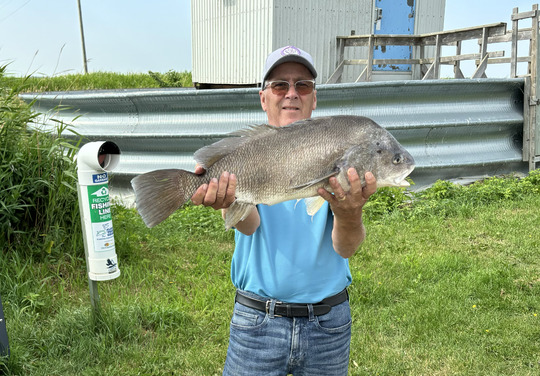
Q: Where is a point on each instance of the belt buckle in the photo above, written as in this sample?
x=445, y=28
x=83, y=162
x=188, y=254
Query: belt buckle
x=267, y=307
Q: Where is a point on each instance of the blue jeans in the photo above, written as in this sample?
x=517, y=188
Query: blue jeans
x=263, y=344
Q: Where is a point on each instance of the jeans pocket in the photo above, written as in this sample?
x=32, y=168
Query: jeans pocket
x=247, y=318
x=337, y=320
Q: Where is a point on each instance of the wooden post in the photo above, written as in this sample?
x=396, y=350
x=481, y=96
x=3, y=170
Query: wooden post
x=480, y=71
x=437, y=61
x=340, y=51
x=340, y=57
x=535, y=75
x=457, y=67
x=369, y=67
x=422, y=67
x=513, y=58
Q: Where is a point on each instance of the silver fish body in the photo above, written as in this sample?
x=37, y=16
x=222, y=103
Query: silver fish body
x=276, y=164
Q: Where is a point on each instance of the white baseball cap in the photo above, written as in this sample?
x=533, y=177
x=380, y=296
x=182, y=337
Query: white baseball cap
x=288, y=54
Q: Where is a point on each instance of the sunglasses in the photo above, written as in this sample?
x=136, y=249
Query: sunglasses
x=302, y=87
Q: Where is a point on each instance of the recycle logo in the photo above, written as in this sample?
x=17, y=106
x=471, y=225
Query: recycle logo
x=103, y=191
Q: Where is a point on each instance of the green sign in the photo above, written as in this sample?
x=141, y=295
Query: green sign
x=100, y=207
x=100, y=216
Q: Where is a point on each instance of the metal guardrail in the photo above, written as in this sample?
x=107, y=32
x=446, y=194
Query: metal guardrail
x=453, y=128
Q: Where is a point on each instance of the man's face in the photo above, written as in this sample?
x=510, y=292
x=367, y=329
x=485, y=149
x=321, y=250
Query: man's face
x=285, y=109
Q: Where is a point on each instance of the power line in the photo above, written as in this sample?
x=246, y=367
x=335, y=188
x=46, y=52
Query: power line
x=15, y=11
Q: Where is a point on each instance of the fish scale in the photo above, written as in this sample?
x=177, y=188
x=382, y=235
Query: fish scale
x=276, y=164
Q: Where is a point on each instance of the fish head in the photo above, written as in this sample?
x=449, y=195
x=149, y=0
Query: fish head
x=392, y=163
x=381, y=154
x=393, y=174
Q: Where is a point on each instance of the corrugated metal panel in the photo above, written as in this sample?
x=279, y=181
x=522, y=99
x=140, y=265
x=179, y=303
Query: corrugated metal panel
x=453, y=128
x=230, y=40
x=431, y=14
x=314, y=26
x=431, y=20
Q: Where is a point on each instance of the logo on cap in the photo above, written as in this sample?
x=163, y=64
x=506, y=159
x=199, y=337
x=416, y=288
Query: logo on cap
x=290, y=50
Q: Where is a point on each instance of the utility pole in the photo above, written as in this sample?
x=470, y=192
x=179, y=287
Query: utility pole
x=82, y=38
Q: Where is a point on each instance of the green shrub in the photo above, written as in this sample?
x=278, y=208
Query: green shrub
x=386, y=200
x=441, y=190
x=172, y=79
x=445, y=198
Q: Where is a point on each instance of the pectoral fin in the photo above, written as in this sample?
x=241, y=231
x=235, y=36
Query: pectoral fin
x=313, y=204
x=238, y=211
x=315, y=181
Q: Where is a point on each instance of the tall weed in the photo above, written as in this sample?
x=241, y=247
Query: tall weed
x=38, y=196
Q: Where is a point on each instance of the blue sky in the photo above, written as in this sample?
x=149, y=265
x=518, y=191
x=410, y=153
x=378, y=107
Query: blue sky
x=42, y=37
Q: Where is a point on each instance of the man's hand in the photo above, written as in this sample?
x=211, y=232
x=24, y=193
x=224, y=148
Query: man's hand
x=349, y=204
x=349, y=232
x=218, y=194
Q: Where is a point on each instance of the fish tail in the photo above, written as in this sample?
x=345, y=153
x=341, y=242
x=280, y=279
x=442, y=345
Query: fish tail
x=159, y=193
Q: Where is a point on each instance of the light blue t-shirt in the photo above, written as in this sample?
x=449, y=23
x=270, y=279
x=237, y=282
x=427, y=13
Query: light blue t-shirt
x=290, y=257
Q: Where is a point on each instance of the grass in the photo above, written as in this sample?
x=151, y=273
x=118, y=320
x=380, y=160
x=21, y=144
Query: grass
x=164, y=307
x=432, y=295
x=446, y=283
x=453, y=296
x=101, y=80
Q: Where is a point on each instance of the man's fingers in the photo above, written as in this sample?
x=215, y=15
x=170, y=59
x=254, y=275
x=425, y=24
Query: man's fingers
x=199, y=170
x=231, y=191
x=210, y=197
x=222, y=187
x=218, y=194
x=325, y=194
x=371, y=185
x=198, y=196
x=339, y=193
x=354, y=181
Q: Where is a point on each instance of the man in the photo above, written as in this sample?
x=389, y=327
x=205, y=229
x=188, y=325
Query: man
x=285, y=262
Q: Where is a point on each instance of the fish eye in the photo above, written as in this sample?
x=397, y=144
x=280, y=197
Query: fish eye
x=379, y=151
x=397, y=159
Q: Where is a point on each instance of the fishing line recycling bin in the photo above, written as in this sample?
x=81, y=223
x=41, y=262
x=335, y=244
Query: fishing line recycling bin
x=94, y=162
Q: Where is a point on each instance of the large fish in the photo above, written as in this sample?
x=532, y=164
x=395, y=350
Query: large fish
x=275, y=164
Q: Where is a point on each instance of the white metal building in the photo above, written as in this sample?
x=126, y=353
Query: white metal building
x=231, y=38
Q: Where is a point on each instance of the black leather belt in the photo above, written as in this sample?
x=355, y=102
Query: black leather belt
x=293, y=309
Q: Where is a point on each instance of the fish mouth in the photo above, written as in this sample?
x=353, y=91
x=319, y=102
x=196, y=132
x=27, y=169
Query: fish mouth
x=401, y=182
x=398, y=181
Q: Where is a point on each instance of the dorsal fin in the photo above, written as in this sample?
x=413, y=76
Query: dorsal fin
x=208, y=155
x=254, y=130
